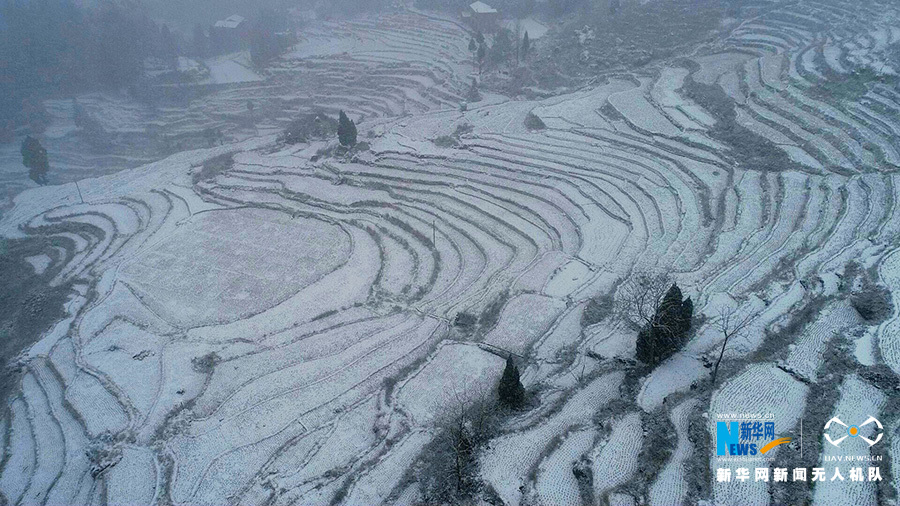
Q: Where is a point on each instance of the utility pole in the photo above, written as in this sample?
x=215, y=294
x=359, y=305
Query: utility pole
x=79, y=192
x=433, y=234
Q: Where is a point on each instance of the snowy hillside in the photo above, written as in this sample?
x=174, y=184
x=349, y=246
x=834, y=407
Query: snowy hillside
x=283, y=332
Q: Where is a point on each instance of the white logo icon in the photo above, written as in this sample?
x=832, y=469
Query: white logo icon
x=854, y=431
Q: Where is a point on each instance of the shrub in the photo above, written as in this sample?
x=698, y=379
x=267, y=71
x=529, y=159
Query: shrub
x=445, y=141
x=532, y=122
x=452, y=140
x=749, y=148
x=213, y=167
x=874, y=303
x=314, y=125
x=491, y=314
x=205, y=364
x=465, y=320
x=597, y=309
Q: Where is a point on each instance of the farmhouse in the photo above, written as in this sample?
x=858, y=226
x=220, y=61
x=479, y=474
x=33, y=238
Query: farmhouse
x=482, y=17
x=230, y=34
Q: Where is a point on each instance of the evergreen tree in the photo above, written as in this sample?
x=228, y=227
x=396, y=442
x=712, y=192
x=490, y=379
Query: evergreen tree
x=346, y=130
x=510, y=389
x=503, y=47
x=526, y=45
x=480, y=56
x=34, y=156
x=687, y=314
x=201, y=41
x=472, y=45
x=473, y=95
x=666, y=332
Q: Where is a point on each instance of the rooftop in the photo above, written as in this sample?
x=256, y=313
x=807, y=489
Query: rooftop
x=232, y=21
x=482, y=8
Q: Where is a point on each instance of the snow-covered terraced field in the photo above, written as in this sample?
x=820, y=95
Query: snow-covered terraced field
x=284, y=332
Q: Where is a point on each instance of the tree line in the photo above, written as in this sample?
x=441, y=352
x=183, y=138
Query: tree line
x=54, y=47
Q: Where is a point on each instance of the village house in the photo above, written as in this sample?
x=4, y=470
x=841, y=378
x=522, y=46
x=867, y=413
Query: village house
x=482, y=17
x=230, y=34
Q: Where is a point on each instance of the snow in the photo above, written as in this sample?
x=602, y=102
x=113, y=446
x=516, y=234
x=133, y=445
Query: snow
x=230, y=69
x=859, y=400
x=327, y=288
x=615, y=459
x=889, y=272
x=671, y=485
x=201, y=275
x=769, y=390
x=507, y=460
x=482, y=8
x=458, y=373
x=567, y=279
x=535, y=29
x=524, y=319
x=133, y=479
x=556, y=483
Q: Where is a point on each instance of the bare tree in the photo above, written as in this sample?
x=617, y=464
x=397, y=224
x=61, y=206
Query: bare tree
x=730, y=322
x=458, y=435
x=639, y=299
x=654, y=305
x=468, y=418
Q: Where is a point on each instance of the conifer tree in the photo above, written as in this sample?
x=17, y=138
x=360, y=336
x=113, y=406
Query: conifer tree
x=510, y=390
x=346, y=130
x=667, y=330
x=34, y=156
x=480, y=56
x=526, y=45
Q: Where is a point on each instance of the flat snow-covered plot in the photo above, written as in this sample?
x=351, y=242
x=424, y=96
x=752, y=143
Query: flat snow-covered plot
x=525, y=318
x=670, y=486
x=610, y=338
x=859, y=400
x=615, y=460
x=230, y=264
x=634, y=106
x=506, y=462
x=888, y=333
x=677, y=373
x=713, y=66
x=556, y=483
x=374, y=486
x=769, y=390
x=130, y=356
x=684, y=112
x=348, y=438
x=580, y=109
x=231, y=69
x=19, y=463
x=568, y=279
x=133, y=479
x=456, y=373
x=805, y=357
x=39, y=263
